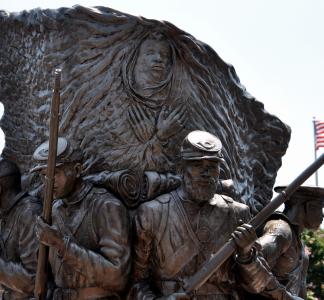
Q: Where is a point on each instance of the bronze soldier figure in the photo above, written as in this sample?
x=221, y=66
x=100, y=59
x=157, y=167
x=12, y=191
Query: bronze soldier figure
x=19, y=245
x=89, y=238
x=177, y=232
x=281, y=242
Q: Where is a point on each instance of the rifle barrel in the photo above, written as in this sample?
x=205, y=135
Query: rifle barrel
x=41, y=273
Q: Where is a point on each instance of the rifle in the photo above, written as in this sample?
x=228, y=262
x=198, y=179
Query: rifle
x=41, y=274
x=212, y=265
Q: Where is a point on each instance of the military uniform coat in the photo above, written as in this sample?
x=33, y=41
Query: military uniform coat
x=19, y=246
x=95, y=227
x=173, y=239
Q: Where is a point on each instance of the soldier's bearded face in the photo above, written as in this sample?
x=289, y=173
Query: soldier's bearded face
x=64, y=180
x=200, y=179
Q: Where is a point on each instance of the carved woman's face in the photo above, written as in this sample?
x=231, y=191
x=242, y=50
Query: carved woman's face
x=153, y=62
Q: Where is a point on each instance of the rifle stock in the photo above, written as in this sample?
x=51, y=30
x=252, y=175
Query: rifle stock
x=212, y=265
x=41, y=273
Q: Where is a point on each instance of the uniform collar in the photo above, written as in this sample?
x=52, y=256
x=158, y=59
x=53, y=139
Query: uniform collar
x=78, y=195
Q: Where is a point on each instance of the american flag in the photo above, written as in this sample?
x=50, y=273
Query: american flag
x=319, y=134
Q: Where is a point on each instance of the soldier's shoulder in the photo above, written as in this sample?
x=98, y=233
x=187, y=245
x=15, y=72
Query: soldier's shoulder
x=162, y=199
x=238, y=205
x=28, y=209
x=158, y=201
x=228, y=201
x=279, y=226
x=226, y=198
x=102, y=197
x=30, y=205
x=155, y=205
x=150, y=214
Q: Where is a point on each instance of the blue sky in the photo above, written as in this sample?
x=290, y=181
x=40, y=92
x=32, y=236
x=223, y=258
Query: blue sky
x=276, y=47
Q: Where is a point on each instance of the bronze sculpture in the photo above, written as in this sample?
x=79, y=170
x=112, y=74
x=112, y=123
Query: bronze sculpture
x=177, y=232
x=18, y=250
x=132, y=88
x=89, y=238
x=281, y=242
x=106, y=103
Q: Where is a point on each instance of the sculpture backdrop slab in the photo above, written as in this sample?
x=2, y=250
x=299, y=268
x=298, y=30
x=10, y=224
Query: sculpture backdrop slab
x=132, y=88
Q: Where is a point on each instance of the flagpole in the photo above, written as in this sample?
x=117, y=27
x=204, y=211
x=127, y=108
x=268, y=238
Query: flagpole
x=315, y=152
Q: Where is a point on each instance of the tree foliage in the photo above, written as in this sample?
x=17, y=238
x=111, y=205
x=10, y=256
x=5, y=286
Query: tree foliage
x=314, y=241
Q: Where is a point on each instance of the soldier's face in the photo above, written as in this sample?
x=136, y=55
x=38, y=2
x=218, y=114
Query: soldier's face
x=313, y=214
x=200, y=179
x=64, y=180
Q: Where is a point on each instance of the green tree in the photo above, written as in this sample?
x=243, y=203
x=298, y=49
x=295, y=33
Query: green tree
x=314, y=241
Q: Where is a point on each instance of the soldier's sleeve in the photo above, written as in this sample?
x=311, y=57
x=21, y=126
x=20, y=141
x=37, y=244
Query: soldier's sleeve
x=275, y=240
x=252, y=275
x=109, y=266
x=255, y=276
x=20, y=276
x=143, y=250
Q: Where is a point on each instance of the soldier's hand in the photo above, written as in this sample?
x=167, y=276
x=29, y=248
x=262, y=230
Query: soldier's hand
x=175, y=296
x=244, y=237
x=48, y=235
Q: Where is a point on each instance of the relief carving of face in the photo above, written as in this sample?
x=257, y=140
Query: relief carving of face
x=153, y=63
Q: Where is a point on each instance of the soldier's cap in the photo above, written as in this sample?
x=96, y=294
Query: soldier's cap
x=8, y=168
x=303, y=194
x=199, y=145
x=65, y=153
